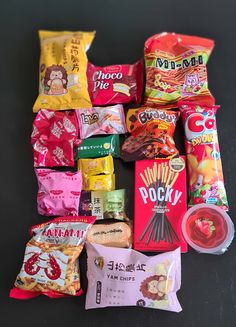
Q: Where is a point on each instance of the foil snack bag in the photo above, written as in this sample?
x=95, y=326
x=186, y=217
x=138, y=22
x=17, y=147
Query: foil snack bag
x=101, y=121
x=115, y=84
x=53, y=138
x=58, y=192
x=62, y=70
x=205, y=174
x=176, y=69
x=152, y=133
x=96, y=166
x=124, y=277
x=50, y=264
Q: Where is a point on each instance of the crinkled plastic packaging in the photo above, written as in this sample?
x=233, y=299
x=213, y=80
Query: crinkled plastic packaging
x=115, y=84
x=152, y=132
x=99, y=147
x=205, y=174
x=53, y=138
x=62, y=70
x=99, y=182
x=124, y=277
x=176, y=69
x=111, y=234
x=103, y=205
x=101, y=121
x=50, y=264
x=58, y=192
x=96, y=166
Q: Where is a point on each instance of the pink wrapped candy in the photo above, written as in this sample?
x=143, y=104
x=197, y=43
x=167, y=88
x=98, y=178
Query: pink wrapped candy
x=124, y=277
x=53, y=137
x=59, y=192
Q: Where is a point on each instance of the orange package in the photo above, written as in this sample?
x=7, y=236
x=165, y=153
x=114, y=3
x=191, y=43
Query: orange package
x=62, y=70
x=176, y=69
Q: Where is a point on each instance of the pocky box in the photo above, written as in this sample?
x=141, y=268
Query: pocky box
x=160, y=204
x=205, y=174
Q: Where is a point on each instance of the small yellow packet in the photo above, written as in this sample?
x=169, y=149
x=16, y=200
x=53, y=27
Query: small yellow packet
x=99, y=183
x=62, y=71
x=96, y=166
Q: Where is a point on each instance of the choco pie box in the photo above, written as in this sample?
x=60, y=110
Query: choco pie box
x=160, y=204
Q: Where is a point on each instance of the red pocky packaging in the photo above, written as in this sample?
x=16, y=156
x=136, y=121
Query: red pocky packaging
x=115, y=84
x=160, y=204
x=53, y=137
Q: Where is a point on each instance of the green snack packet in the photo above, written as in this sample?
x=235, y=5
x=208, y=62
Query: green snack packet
x=99, y=147
x=104, y=204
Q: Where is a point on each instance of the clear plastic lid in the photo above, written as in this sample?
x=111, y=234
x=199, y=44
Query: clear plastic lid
x=208, y=229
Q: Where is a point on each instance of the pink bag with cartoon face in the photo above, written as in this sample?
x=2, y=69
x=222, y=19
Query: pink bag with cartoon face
x=59, y=192
x=124, y=277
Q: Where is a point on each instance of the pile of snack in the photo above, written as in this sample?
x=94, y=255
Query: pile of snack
x=74, y=144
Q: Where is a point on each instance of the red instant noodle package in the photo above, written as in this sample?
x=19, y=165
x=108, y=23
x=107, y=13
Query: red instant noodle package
x=53, y=138
x=205, y=174
x=152, y=132
x=115, y=84
x=176, y=69
x=51, y=264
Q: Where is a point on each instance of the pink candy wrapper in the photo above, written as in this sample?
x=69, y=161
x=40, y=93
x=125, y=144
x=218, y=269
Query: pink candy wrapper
x=59, y=192
x=124, y=277
x=100, y=121
x=54, y=134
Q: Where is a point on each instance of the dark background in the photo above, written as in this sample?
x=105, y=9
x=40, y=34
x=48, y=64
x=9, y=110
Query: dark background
x=208, y=293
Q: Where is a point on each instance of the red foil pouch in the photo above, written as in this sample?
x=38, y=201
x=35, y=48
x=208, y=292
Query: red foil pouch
x=53, y=137
x=115, y=84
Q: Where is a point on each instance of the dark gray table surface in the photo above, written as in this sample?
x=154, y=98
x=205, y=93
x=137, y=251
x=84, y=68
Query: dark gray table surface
x=208, y=292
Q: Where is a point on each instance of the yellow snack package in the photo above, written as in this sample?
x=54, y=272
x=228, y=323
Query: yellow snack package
x=96, y=166
x=62, y=70
x=99, y=183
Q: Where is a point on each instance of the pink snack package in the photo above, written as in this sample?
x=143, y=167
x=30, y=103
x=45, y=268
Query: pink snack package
x=101, y=121
x=59, y=192
x=54, y=134
x=124, y=277
x=115, y=84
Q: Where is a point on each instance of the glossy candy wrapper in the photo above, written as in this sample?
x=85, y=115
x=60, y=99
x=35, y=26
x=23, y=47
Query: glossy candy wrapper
x=50, y=264
x=124, y=277
x=176, y=69
x=53, y=138
x=91, y=167
x=99, y=182
x=115, y=84
x=152, y=132
x=103, y=205
x=101, y=121
x=99, y=147
x=205, y=174
x=59, y=192
x=62, y=71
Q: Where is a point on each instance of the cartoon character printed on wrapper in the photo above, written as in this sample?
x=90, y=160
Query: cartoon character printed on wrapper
x=55, y=80
x=192, y=84
x=204, y=182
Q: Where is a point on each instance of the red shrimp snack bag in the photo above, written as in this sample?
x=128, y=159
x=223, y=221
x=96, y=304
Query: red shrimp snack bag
x=152, y=133
x=115, y=84
x=101, y=121
x=124, y=277
x=176, y=69
x=205, y=174
x=51, y=264
x=160, y=204
x=59, y=192
x=54, y=134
